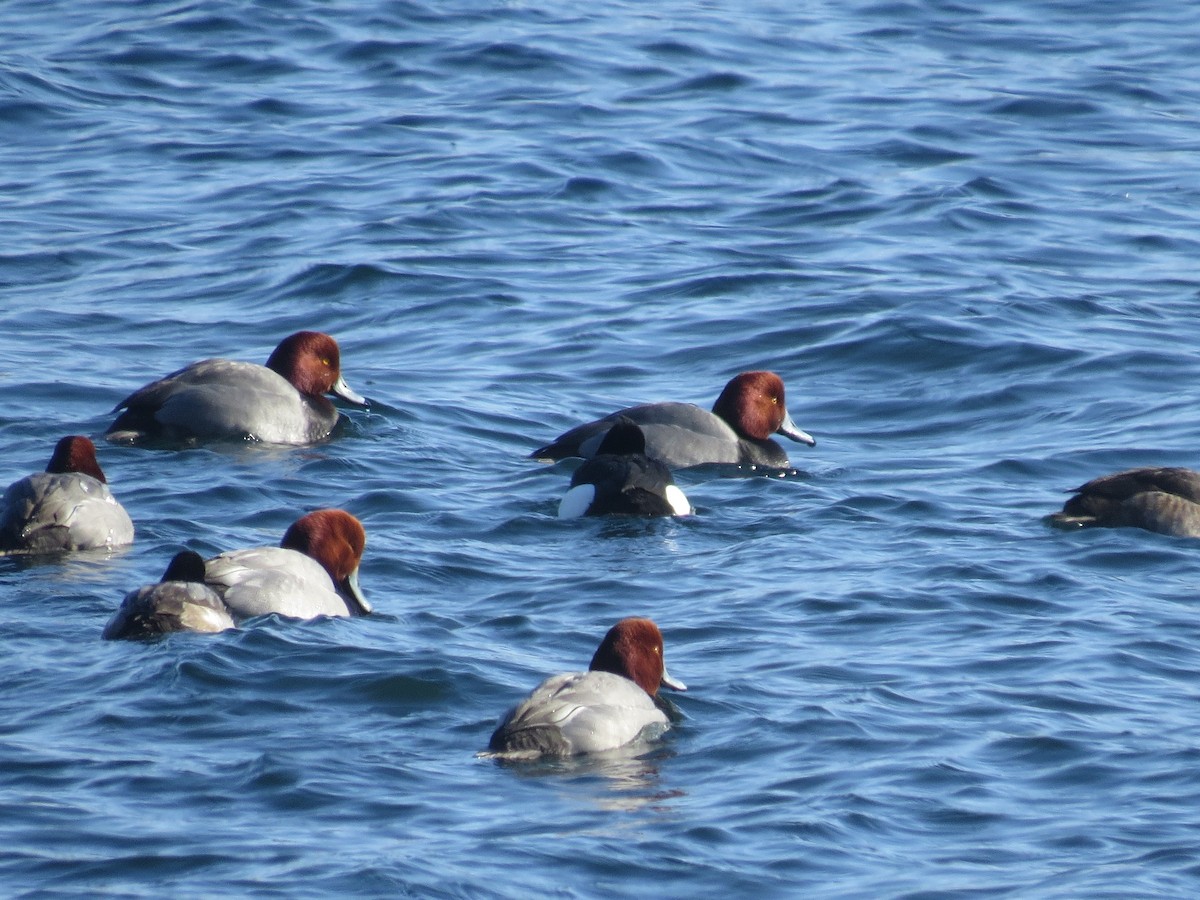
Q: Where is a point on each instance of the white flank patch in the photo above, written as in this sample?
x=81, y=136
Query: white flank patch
x=576, y=501
x=677, y=499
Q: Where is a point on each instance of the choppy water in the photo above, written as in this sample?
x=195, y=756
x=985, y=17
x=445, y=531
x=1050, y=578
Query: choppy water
x=964, y=233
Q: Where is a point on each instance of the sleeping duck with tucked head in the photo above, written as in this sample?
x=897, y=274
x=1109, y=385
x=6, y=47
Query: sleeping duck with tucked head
x=1162, y=499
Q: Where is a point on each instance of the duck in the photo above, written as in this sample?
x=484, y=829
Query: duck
x=622, y=480
x=313, y=572
x=1162, y=499
x=67, y=507
x=738, y=431
x=180, y=601
x=609, y=706
x=282, y=402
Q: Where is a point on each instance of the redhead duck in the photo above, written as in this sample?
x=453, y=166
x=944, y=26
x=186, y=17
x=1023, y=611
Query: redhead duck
x=622, y=480
x=313, y=572
x=610, y=705
x=67, y=507
x=1166, y=500
x=738, y=430
x=282, y=402
x=181, y=601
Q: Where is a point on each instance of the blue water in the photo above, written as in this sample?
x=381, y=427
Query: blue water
x=964, y=233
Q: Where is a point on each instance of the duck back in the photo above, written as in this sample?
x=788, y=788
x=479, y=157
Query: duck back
x=578, y=712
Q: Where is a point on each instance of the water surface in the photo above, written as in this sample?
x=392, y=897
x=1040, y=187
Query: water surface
x=964, y=234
